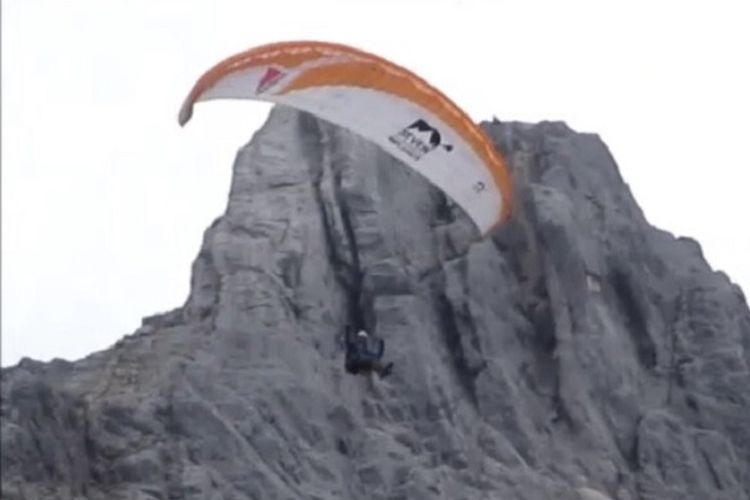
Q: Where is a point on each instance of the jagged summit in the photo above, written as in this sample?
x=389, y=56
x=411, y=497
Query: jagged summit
x=575, y=353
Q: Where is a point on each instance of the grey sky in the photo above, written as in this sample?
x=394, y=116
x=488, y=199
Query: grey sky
x=105, y=198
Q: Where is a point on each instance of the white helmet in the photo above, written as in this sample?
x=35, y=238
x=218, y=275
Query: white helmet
x=362, y=333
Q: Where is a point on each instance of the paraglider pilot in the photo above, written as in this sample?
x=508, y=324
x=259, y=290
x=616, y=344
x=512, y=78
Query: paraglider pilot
x=364, y=354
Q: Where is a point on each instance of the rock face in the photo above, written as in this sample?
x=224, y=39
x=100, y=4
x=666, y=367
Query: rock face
x=576, y=353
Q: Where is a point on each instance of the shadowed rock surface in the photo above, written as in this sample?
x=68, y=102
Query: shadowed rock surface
x=577, y=353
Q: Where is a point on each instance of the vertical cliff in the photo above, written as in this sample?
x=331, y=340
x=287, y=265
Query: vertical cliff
x=576, y=353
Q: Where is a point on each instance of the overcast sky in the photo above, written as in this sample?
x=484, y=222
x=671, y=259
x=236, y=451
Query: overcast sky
x=105, y=198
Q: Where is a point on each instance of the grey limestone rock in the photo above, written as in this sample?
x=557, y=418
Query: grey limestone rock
x=575, y=353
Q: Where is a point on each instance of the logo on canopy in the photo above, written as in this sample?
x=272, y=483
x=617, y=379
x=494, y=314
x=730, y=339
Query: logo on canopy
x=418, y=139
x=270, y=79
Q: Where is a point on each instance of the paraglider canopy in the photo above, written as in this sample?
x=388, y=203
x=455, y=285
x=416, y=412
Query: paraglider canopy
x=378, y=100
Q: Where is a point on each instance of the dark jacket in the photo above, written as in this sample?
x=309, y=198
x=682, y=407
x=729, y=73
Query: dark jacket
x=361, y=352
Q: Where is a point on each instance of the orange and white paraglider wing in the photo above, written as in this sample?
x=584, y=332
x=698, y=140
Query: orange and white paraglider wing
x=380, y=101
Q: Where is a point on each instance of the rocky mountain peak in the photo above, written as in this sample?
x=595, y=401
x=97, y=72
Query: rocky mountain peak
x=575, y=353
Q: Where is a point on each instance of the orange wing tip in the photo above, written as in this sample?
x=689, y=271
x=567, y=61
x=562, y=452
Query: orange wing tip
x=186, y=112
